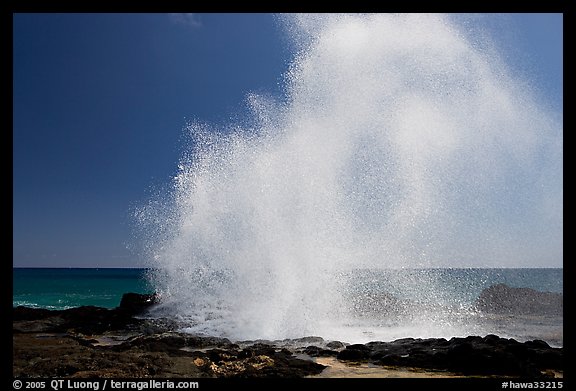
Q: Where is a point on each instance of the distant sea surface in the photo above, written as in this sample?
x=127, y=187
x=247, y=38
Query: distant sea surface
x=62, y=288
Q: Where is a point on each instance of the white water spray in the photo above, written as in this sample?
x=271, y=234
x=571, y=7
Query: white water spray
x=401, y=143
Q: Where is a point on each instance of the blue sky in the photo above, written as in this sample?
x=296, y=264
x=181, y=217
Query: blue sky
x=100, y=102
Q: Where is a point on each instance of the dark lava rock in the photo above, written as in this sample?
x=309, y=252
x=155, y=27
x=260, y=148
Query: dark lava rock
x=86, y=319
x=355, y=352
x=171, y=342
x=473, y=355
x=315, y=351
x=166, y=355
x=136, y=303
x=336, y=345
x=219, y=357
x=66, y=344
x=61, y=356
x=502, y=299
x=308, y=340
x=286, y=365
x=21, y=313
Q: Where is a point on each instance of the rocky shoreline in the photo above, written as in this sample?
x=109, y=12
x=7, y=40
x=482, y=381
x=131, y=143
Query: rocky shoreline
x=93, y=342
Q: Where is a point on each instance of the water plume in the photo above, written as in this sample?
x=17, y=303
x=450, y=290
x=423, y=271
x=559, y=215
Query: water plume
x=401, y=142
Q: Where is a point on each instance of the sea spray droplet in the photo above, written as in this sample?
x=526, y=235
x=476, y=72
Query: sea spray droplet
x=400, y=144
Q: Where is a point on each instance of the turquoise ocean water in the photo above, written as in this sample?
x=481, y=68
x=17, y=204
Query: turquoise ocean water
x=62, y=288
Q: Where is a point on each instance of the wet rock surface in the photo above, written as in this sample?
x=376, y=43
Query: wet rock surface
x=97, y=342
x=473, y=355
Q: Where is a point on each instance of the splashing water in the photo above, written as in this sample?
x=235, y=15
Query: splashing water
x=401, y=143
